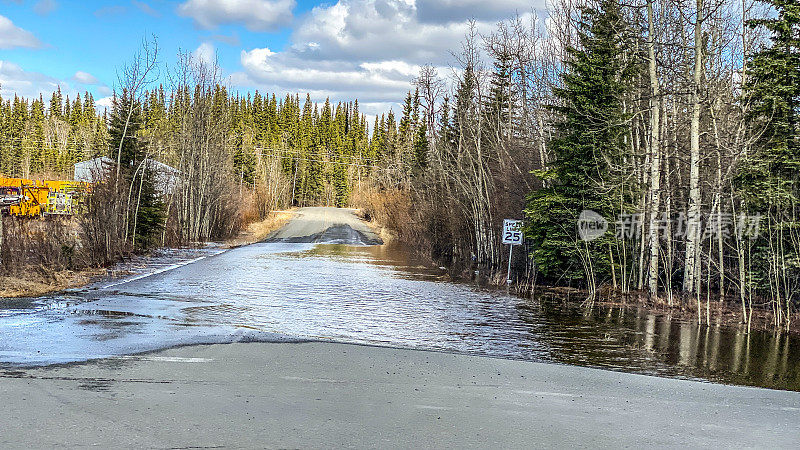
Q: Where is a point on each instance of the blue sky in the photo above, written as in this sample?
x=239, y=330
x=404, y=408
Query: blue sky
x=345, y=49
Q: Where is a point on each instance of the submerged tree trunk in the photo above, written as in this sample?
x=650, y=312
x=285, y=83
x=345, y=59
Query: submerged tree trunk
x=690, y=276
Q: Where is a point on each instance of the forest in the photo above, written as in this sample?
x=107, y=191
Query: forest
x=673, y=123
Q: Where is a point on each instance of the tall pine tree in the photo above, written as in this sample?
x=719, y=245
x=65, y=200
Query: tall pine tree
x=589, y=134
x=769, y=177
x=145, y=210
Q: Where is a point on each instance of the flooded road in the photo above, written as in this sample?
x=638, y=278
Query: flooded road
x=280, y=291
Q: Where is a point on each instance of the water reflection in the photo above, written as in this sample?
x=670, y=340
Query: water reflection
x=379, y=295
x=648, y=343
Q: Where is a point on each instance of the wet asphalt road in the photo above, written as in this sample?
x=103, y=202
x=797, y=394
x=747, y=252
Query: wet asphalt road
x=327, y=395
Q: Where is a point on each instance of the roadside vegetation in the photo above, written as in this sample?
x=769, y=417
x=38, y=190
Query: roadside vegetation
x=673, y=123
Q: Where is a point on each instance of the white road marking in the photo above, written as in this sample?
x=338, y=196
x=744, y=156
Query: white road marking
x=167, y=359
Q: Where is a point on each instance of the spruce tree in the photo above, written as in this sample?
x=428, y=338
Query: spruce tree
x=773, y=92
x=315, y=177
x=244, y=162
x=420, y=149
x=89, y=113
x=56, y=104
x=5, y=137
x=589, y=132
x=19, y=118
x=37, y=153
x=145, y=211
x=497, y=121
x=769, y=177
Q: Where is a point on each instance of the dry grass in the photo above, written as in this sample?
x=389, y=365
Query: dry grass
x=392, y=213
x=36, y=283
x=258, y=231
x=386, y=234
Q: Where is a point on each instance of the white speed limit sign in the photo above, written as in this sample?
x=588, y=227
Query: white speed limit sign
x=512, y=232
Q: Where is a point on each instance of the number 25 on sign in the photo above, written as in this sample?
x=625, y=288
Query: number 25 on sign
x=512, y=235
x=512, y=232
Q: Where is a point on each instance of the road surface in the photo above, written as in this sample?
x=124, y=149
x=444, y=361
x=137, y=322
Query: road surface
x=329, y=225
x=325, y=395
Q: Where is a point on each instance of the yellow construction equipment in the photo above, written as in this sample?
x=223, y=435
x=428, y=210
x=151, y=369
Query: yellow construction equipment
x=34, y=198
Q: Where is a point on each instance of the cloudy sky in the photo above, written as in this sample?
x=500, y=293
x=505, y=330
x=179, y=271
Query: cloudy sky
x=365, y=49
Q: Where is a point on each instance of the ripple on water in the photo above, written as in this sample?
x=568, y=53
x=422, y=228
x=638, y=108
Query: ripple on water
x=377, y=295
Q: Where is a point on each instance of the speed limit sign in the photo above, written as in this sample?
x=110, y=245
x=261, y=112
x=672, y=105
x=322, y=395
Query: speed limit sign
x=512, y=232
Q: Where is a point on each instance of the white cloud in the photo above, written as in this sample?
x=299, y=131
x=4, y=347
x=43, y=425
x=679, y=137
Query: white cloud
x=103, y=103
x=418, y=32
x=45, y=7
x=12, y=36
x=145, y=8
x=448, y=11
x=205, y=53
x=384, y=81
x=16, y=81
x=370, y=49
x=85, y=78
x=256, y=15
x=400, y=68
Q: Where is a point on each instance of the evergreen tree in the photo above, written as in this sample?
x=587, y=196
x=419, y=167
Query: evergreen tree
x=769, y=178
x=146, y=209
x=498, y=107
x=100, y=146
x=19, y=117
x=76, y=117
x=464, y=109
x=149, y=211
x=314, y=180
x=244, y=161
x=67, y=109
x=89, y=113
x=421, y=148
x=38, y=156
x=446, y=127
x=389, y=136
x=405, y=132
x=773, y=89
x=56, y=104
x=5, y=137
x=589, y=133
x=133, y=150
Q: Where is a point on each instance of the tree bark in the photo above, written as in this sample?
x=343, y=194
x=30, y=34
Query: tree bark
x=693, y=219
x=655, y=154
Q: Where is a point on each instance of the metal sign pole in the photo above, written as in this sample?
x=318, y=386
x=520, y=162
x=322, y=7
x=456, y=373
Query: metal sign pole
x=510, y=252
x=512, y=235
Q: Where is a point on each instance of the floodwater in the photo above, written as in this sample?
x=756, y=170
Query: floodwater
x=373, y=295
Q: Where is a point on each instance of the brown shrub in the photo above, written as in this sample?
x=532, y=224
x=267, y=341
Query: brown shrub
x=50, y=243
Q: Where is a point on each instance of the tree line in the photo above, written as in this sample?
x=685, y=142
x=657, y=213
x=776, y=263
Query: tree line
x=237, y=157
x=673, y=123
x=45, y=138
x=651, y=147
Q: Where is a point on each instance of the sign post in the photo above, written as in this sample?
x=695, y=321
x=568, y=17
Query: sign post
x=512, y=235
